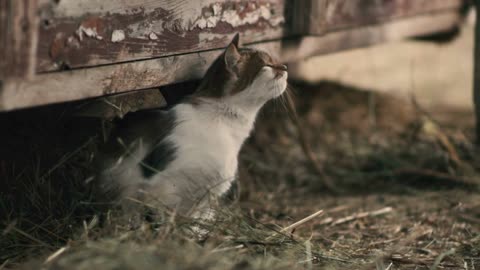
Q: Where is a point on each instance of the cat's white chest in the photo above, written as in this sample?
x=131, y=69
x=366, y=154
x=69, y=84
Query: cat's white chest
x=206, y=145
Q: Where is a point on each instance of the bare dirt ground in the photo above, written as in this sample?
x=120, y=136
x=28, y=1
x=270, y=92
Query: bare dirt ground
x=406, y=193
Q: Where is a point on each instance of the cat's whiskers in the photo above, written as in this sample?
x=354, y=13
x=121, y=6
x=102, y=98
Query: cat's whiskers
x=276, y=101
x=281, y=100
x=289, y=101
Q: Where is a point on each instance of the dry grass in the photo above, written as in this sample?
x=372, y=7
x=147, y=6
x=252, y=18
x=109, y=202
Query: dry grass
x=407, y=195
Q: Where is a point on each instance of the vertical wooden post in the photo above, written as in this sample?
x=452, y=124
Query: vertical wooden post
x=19, y=21
x=308, y=17
x=476, y=74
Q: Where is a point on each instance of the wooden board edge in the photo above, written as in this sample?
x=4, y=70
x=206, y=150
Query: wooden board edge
x=94, y=82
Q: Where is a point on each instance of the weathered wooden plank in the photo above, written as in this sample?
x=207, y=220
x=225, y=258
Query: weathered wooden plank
x=83, y=33
x=105, y=80
x=18, y=38
x=4, y=8
x=476, y=74
x=301, y=13
x=110, y=107
x=369, y=35
x=113, y=106
x=92, y=82
x=308, y=17
x=333, y=15
x=341, y=14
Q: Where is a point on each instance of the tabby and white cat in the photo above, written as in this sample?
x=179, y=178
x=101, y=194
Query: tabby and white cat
x=185, y=156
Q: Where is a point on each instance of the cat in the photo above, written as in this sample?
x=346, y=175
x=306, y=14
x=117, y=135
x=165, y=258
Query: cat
x=187, y=155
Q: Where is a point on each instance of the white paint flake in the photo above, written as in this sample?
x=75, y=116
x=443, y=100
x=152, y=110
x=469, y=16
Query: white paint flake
x=217, y=9
x=143, y=30
x=153, y=36
x=188, y=14
x=73, y=42
x=232, y=17
x=89, y=32
x=118, y=35
x=212, y=21
x=201, y=23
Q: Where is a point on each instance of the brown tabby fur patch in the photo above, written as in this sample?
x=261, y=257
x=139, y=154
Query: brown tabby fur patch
x=234, y=71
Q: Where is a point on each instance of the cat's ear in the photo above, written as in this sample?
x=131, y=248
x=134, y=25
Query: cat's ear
x=236, y=40
x=232, y=55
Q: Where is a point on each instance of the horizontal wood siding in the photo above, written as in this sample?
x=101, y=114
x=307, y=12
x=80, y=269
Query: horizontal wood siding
x=124, y=77
x=88, y=48
x=317, y=17
x=343, y=14
x=84, y=33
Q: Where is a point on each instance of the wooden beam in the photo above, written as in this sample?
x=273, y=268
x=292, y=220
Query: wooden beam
x=308, y=17
x=342, y=14
x=18, y=38
x=110, y=107
x=84, y=83
x=317, y=17
x=294, y=50
x=4, y=26
x=85, y=33
x=91, y=82
x=476, y=75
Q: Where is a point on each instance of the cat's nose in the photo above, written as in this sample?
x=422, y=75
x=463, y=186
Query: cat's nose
x=279, y=72
x=280, y=67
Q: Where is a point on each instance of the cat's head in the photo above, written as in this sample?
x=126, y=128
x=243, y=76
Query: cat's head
x=244, y=75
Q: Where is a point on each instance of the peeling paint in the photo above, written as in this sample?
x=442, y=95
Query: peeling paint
x=217, y=9
x=90, y=27
x=74, y=8
x=153, y=36
x=189, y=10
x=118, y=35
x=73, y=42
x=236, y=17
x=143, y=30
x=206, y=38
x=89, y=32
x=156, y=30
x=201, y=23
x=212, y=21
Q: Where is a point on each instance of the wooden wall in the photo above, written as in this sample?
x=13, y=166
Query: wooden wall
x=86, y=48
